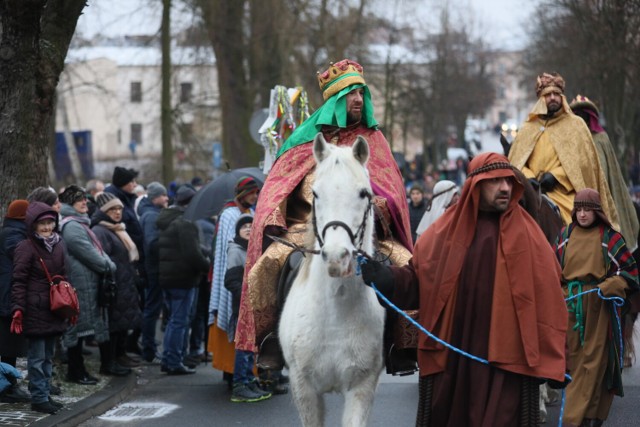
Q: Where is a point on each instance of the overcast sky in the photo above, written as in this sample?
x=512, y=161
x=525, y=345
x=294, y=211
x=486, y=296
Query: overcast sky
x=499, y=21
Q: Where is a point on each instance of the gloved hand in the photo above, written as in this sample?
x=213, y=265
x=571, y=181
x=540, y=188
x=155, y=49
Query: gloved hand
x=557, y=385
x=379, y=274
x=16, y=323
x=548, y=182
x=534, y=183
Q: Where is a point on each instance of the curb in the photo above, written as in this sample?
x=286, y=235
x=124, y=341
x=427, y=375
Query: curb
x=96, y=404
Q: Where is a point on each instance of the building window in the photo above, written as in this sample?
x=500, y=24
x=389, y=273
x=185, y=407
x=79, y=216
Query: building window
x=185, y=92
x=136, y=133
x=136, y=91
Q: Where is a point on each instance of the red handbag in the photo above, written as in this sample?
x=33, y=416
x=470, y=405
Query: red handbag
x=63, y=297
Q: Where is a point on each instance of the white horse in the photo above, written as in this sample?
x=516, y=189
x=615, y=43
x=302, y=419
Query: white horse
x=332, y=324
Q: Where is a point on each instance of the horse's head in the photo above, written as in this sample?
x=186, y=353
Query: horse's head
x=343, y=218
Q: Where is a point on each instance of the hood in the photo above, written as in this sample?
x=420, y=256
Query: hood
x=147, y=206
x=127, y=199
x=14, y=223
x=167, y=216
x=37, y=210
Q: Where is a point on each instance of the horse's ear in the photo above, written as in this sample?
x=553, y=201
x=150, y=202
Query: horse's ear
x=506, y=146
x=320, y=147
x=361, y=150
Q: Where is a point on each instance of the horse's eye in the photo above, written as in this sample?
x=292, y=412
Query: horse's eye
x=364, y=193
x=315, y=195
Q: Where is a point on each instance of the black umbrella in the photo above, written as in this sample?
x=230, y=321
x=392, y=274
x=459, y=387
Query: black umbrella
x=212, y=197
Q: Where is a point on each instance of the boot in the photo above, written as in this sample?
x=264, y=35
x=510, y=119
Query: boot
x=76, y=372
x=14, y=394
x=114, y=369
x=401, y=361
x=108, y=364
x=45, y=407
x=132, y=345
x=270, y=357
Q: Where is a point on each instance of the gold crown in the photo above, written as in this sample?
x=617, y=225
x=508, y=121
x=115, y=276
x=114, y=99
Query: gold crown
x=583, y=102
x=340, y=75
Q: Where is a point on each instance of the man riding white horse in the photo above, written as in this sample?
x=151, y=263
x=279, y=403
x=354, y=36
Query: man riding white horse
x=284, y=206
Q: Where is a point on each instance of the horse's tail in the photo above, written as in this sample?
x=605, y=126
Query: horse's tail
x=627, y=336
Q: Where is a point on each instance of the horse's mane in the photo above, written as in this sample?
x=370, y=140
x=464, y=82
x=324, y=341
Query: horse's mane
x=342, y=158
x=530, y=200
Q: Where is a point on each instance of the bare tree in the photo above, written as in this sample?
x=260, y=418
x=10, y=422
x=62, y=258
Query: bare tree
x=33, y=45
x=261, y=43
x=595, y=45
x=165, y=107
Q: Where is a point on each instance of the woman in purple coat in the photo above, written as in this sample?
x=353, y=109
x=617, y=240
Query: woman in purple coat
x=30, y=302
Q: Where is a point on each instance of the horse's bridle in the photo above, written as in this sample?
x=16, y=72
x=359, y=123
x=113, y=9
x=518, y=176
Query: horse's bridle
x=359, y=234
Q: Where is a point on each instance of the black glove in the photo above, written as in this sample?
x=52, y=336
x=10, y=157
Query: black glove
x=379, y=274
x=557, y=385
x=548, y=182
x=534, y=183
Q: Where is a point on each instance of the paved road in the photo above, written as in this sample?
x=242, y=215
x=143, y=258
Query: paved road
x=203, y=400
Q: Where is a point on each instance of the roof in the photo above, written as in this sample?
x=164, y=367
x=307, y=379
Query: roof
x=142, y=55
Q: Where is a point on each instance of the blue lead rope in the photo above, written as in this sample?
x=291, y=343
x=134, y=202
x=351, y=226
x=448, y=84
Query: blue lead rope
x=616, y=301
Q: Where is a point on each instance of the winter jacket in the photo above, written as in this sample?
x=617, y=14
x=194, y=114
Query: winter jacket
x=13, y=232
x=30, y=289
x=236, y=258
x=415, y=215
x=148, y=213
x=182, y=262
x=125, y=314
x=86, y=261
x=206, y=230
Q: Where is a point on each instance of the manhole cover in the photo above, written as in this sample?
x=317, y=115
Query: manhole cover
x=137, y=410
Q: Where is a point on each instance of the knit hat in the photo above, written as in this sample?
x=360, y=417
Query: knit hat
x=44, y=195
x=185, y=194
x=242, y=220
x=123, y=176
x=72, y=194
x=196, y=181
x=155, y=190
x=17, y=209
x=245, y=186
x=107, y=201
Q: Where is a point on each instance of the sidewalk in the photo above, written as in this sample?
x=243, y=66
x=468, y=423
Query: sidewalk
x=81, y=401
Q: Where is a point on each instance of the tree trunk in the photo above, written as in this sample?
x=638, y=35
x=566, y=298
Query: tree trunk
x=33, y=46
x=165, y=103
x=225, y=25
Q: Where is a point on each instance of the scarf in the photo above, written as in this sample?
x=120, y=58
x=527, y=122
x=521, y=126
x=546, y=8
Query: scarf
x=49, y=242
x=121, y=231
x=242, y=242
